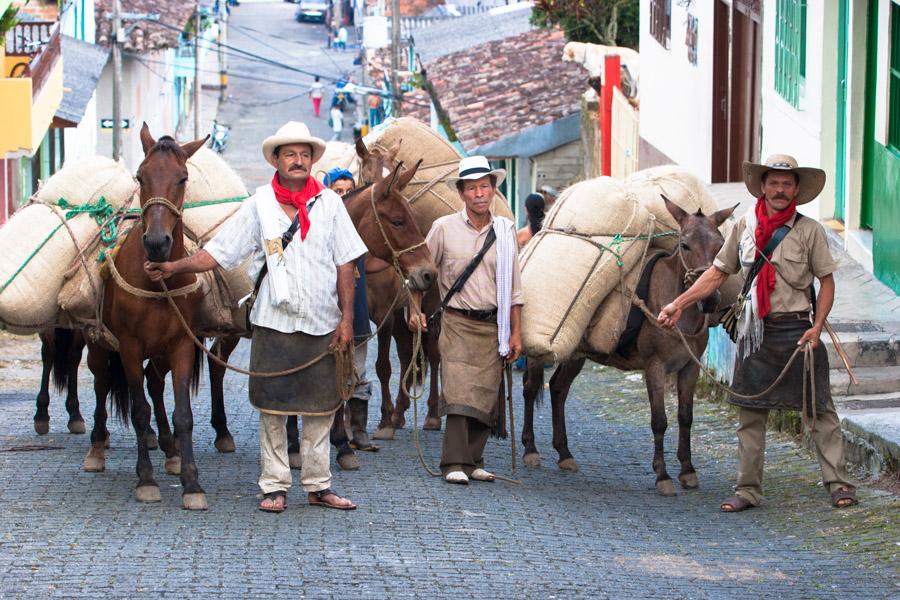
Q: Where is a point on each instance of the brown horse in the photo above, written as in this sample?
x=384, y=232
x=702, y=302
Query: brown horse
x=61, y=351
x=146, y=327
x=654, y=351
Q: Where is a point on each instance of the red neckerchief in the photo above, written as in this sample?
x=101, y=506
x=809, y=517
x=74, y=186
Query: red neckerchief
x=298, y=199
x=765, y=227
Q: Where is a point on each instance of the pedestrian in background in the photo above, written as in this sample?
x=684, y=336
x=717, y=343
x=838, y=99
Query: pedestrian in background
x=342, y=38
x=316, y=92
x=337, y=122
x=534, y=216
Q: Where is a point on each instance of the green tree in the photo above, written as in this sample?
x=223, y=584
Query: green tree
x=607, y=22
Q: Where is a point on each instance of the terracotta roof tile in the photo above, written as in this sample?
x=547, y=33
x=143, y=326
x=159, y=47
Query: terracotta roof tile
x=147, y=35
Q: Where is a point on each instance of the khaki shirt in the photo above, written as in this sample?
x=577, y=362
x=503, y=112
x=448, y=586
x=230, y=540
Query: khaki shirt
x=453, y=242
x=801, y=255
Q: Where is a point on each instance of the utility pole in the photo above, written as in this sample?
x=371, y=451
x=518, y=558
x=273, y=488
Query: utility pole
x=197, y=72
x=223, y=66
x=362, y=104
x=395, y=56
x=118, y=34
x=338, y=6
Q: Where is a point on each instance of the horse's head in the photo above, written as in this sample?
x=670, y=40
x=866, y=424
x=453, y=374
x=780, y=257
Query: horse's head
x=387, y=226
x=698, y=244
x=374, y=163
x=162, y=176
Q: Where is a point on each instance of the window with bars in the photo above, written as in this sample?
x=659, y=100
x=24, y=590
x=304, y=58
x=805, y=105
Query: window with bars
x=894, y=81
x=661, y=21
x=790, y=50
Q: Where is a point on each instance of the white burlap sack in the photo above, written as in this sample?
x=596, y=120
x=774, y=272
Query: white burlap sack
x=429, y=193
x=214, y=192
x=570, y=266
x=678, y=185
x=41, y=241
x=337, y=154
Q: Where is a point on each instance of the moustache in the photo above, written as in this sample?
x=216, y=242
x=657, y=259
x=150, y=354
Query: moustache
x=297, y=168
x=780, y=197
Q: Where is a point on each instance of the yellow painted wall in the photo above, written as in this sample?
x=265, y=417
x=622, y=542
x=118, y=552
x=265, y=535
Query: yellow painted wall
x=46, y=104
x=15, y=118
x=11, y=61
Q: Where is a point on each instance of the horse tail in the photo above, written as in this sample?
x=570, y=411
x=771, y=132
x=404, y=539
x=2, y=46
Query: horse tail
x=533, y=378
x=118, y=387
x=63, y=340
x=195, y=372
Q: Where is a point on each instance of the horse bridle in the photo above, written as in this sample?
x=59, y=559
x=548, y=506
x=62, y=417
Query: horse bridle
x=395, y=254
x=164, y=202
x=690, y=275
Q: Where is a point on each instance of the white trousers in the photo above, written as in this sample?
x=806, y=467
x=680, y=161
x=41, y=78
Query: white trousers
x=315, y=453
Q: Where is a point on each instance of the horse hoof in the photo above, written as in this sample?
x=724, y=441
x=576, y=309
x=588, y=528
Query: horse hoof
x=384, y=433
x=173, y=465
x=76, y=427
x=432, y=424
x=225, y=444
x=294, y=460
x=665, y=487
x=152, y=442
x=348, y=462
x=532, y=459
x=94, y=462
x=147, y=494
x=398, y=422
x=42, y=427
x=194, y=501
x=689, y=481
x=568, y=464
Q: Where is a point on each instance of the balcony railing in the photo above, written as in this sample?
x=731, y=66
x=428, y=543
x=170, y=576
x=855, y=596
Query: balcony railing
x=41, y=65
x=28, y=37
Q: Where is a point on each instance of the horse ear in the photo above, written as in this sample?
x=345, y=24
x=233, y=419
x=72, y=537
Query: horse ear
x=674, y=210
x=361, y=150
x=406, y=177
x=147, y=140
x=383, y=186
x=192, y=147
x=720, y=216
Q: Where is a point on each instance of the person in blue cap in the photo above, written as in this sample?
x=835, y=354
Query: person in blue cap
x=341, y=181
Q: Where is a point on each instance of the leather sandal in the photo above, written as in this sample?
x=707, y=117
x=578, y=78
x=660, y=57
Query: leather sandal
x=273, y=498
x=737, y=504
x=319, y=499
x=843, y=494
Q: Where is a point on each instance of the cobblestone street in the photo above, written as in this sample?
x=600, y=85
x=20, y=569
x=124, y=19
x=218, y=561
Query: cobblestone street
x=602, y=532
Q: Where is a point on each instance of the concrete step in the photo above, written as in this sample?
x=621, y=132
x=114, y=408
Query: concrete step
x=872, y=380
x=871, y=434
x=866, y=343
x=866, y=403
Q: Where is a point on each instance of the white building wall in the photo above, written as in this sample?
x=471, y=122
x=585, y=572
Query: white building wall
x=81, y=141
x=676, y=96
x=797, y=131
x=77, y=20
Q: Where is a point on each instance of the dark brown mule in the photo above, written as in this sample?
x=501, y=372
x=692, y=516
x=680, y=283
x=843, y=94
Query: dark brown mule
x=654, y=351
x=147, y=327
x=61, y=351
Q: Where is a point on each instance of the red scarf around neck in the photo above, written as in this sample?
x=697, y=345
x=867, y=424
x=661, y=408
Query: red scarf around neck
x=765, y=227
x=298, y=199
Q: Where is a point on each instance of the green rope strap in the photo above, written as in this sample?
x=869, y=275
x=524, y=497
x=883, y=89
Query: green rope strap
x=100, y=211
x=615, y=244
x=187, y=205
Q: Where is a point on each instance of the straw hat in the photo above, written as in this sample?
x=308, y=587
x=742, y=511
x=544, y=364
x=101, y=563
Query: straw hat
x=476, y=167
x=811, y=180
x=292, y=132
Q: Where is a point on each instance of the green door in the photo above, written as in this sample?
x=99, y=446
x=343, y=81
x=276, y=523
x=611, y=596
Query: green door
x=840, y=173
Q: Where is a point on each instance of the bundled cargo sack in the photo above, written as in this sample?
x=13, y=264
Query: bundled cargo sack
x=61, y=224
x=430, y=194
x=337, y=154
x=591, y=239
x=213, y=193
x=678, y=185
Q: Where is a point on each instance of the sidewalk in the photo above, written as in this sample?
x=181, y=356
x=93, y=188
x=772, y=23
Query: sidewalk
x=866, y=319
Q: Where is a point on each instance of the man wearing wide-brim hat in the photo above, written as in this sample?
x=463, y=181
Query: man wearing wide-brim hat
x=303, y=247
x=480, y=326
x=779, y=313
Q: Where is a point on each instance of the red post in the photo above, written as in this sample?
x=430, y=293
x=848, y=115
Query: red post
x=611, y=79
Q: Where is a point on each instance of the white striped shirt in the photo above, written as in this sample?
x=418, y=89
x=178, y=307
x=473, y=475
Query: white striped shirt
x=311, y=264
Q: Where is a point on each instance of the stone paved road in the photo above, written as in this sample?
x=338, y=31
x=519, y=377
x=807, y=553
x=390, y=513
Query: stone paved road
x=601, y=533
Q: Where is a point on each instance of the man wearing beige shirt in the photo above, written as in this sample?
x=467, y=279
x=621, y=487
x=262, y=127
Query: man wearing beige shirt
x=775, y=320
x=481, y=324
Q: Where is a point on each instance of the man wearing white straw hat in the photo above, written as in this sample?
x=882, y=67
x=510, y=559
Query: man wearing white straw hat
x=480, y=285
x=304, y=247
x=779, y=253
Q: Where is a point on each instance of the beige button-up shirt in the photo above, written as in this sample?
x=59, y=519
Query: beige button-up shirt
x=453, y=242
x=801, y=255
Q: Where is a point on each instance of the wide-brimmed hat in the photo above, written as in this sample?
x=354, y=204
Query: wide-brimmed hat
x=292, y=132
x=811, y=180
x=476, y=167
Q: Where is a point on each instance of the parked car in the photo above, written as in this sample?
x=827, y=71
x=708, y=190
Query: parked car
x=311, y=10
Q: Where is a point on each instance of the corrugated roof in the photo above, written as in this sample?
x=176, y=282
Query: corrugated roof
x=82, y=64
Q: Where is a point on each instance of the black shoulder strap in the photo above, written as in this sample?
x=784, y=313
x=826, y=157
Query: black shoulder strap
x=467, y=272
x=766, y=254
